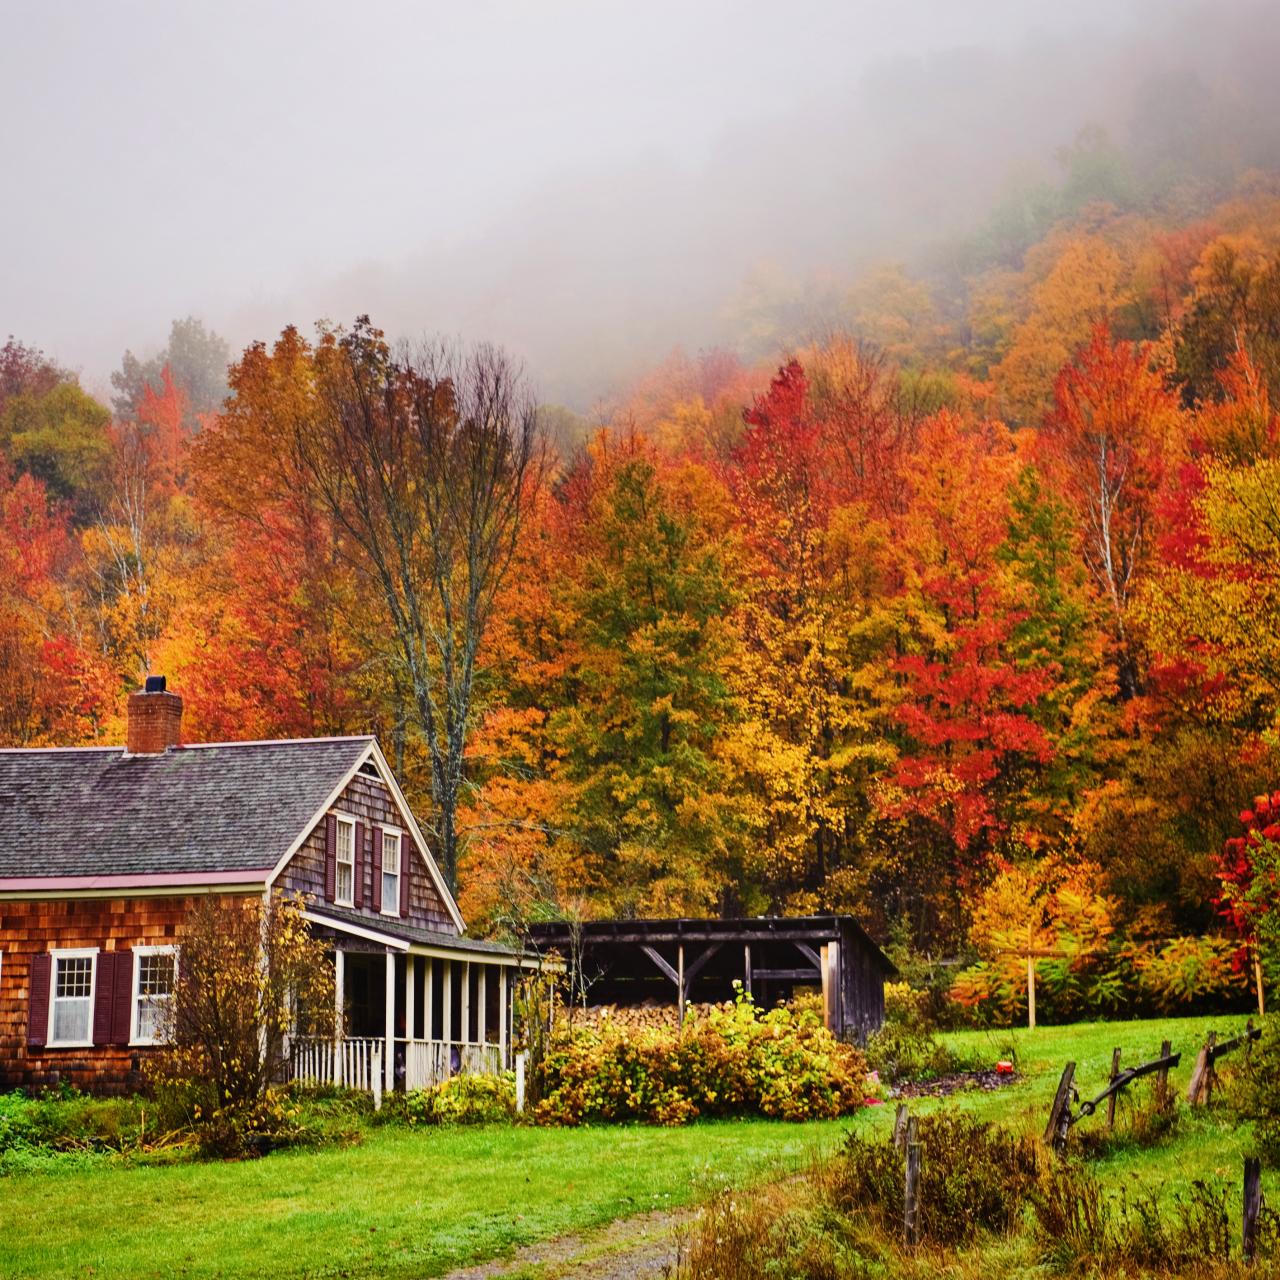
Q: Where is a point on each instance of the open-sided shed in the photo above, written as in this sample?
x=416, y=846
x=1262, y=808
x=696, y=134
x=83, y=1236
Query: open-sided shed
x=629, y=962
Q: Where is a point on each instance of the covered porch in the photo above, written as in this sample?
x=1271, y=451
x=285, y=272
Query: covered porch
x=415, y=1008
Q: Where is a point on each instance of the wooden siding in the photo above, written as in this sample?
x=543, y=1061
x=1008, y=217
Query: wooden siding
x=34, y=927
x=370, y=801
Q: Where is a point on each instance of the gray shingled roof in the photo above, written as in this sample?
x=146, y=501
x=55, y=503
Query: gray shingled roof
x=395, y=928
x=231, y=807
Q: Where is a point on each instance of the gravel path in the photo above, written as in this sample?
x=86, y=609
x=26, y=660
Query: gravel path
x=640, y=1248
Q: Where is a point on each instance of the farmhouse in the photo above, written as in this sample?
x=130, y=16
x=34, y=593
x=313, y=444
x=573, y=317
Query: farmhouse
x=632, y=962
x=104, y=850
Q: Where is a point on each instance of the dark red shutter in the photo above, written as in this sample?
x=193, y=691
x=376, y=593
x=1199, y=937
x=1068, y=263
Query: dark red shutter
x=330, y=857
x=122, y=999
x=404, y=873
x=377, y=868
x=358, y=855
x=104, y=990
x=38, y=1004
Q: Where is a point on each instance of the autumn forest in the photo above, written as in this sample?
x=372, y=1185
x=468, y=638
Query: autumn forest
x=957, y=598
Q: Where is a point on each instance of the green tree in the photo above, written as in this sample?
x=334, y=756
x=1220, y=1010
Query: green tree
x=60, y=437
x=643, y=744
x=197, y=359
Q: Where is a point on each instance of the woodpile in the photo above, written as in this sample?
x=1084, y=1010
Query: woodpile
x=648, y=1016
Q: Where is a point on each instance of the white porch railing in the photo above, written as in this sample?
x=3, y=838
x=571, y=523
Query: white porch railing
x=350, y=1063
x=427, y=1062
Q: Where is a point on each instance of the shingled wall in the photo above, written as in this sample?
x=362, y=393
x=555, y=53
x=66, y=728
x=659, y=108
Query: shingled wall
x=32, y=928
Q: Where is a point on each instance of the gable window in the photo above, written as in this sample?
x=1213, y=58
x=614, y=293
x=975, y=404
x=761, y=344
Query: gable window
x=71, y=1003
x=345, y=884
x=154, y=975
x=390, y=873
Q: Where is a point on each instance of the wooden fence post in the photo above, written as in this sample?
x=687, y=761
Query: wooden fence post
x=1257, y=978
x=520, y=1057
x=911, y=1197
x=1162, y=1077
x=1031, y=993
x=1252, y=1207
x=1200, y=1089
x=1111, y=1101
x=900, y=1126
x=1055, y=1133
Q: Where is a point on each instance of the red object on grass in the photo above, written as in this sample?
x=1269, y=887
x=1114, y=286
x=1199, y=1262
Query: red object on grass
x=1004, y=1068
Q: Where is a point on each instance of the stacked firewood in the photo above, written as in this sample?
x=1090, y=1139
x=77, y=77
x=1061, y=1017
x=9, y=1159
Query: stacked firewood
x=650, y=1015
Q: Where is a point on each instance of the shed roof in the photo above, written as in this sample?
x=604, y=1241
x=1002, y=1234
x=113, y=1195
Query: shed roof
x=213, y=808
x=690, y=929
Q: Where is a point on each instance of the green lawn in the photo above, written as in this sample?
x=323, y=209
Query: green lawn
x=403, y=1203
x=420, y=1202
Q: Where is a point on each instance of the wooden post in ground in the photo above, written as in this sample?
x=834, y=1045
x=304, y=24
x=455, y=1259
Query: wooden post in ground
x=1162, y=1076
x=1111, y=1101
x=900, y=1126
x=911, y=1198
x=1252, y=1207
x=1257, y=979
x=1200, y=1089
x=1055, y=1133
x=520, y=1057
x=1031, y=992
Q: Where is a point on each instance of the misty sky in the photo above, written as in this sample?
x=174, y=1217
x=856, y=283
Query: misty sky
x=586, y=182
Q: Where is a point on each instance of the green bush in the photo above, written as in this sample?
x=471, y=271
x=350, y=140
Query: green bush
x=732, y=1061
x=905, y=1048
x=1261, y=1095
x=463, y=1099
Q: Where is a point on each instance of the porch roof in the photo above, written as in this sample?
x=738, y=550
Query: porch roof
x=409, y=938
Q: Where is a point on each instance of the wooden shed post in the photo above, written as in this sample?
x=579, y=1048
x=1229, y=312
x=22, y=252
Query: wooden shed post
x=835, y=988
x=389, y=1030
x=680, y=980
x=746, y=967
x=825, y=970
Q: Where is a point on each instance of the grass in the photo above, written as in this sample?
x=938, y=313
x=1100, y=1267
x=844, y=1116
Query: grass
x=420, y=1202
x=402, y=1203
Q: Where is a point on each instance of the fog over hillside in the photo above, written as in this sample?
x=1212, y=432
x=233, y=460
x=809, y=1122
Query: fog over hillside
x=590, y=184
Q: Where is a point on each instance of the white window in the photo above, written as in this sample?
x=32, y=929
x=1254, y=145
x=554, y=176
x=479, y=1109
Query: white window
x=390, y=873
x=155, y=971
x=71, y=998
x=345, y=886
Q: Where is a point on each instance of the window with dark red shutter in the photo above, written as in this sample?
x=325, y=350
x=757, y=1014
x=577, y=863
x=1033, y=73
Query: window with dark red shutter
x=377, y=868
x=103, y=996
x=38, y=1001
x=330, y=857
x=405, y=859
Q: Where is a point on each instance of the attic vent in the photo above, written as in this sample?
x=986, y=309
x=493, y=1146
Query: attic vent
x=370, y=770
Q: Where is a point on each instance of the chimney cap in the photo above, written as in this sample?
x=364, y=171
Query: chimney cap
x=155, y=684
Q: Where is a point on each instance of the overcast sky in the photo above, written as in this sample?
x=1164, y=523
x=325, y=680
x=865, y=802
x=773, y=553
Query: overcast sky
x=583, y=181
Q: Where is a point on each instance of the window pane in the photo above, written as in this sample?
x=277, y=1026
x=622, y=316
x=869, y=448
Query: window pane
x=71, y=1019
x=346, y=840
x=75, y=977
x=152, y=1011
x=155, y=975
x=344, y=881
x=390, y=892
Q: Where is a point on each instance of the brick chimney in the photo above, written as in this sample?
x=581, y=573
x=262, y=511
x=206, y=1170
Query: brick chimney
x=155, y=719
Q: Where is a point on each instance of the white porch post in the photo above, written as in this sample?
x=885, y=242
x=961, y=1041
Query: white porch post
x=428, y=997
x=446, y=981
x=389, y=1054
x=482, y=1000
x=466, y=1003
x=410, y=996
x=502, y=1016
